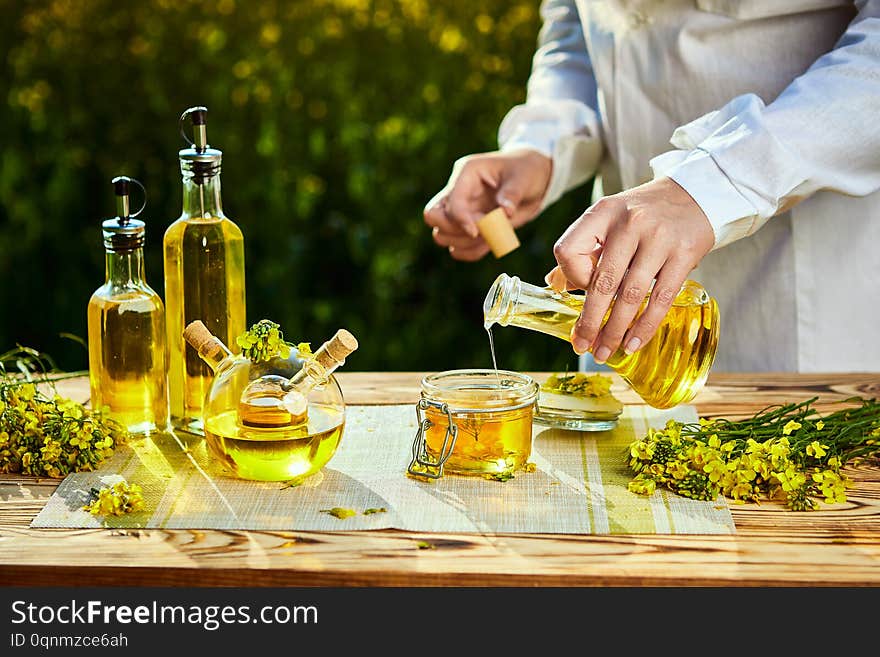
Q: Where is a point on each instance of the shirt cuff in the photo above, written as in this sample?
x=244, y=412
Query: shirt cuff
x=562, y=130
x=517, y=132
x=556, y=184
x=729, y=212
x=535, y=126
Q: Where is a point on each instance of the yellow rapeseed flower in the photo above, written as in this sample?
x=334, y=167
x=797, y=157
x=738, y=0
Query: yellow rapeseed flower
x=816, y=449
x=677, y=470
x=790, y=426
x=754, y=447
x=700, y=462
x=715, y=469
x=117, y=500
x=642, y=450
x=642, y=486
x=741, y=491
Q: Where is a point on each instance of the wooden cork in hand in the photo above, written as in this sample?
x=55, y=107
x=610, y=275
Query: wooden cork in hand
x=498, y=232
x=333, y=352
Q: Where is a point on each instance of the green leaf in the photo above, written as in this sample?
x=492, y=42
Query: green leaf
x=500, y=476
x=340, y=512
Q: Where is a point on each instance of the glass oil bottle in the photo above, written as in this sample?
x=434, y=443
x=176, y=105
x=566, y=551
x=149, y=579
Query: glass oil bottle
x=669, y=370
x=126, y=328
x=204, y=273
x=280, y=420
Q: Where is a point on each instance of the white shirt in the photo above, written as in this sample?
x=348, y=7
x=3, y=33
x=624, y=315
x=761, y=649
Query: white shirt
x=765, y=103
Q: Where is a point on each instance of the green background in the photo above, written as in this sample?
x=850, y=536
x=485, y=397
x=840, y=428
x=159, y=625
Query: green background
x=338, y=120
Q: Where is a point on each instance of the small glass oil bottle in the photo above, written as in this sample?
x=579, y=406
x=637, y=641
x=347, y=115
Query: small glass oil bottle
x=204, y=274
x=126, y=325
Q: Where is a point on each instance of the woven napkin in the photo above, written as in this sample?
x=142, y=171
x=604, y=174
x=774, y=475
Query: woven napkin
x=578, y=487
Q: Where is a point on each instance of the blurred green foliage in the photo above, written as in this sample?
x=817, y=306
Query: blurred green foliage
x=338, y=120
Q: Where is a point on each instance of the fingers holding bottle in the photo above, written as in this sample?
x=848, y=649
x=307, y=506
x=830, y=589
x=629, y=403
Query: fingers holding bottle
x=629, y=299
x=606, y=278
x=663, y=294
x=648, y=239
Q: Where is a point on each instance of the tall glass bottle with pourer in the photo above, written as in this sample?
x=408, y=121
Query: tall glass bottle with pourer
x=204, y=273
x=126, y=324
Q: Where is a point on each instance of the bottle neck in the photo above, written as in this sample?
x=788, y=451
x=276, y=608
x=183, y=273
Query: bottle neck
x=123, y=268
x=214, y=353
x=201, y=196
x=315, y=370
x=501, y=300
x=512, y=302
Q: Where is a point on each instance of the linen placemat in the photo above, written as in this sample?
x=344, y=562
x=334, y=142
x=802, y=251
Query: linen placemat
x=578, y=487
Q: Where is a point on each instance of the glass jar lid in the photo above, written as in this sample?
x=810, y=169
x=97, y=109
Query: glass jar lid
x=480, y=389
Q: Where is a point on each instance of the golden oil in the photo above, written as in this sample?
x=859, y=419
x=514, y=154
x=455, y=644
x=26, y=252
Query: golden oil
x=490, y=442
x=127, y=359
x=669, y=370
x=272, y=400
x=269, y=413
x=126, y=329
x=204, y=279
x=275, y=454
x=474, y=422
x=204, y=276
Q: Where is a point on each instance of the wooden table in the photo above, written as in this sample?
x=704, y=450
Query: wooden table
x=772, y=546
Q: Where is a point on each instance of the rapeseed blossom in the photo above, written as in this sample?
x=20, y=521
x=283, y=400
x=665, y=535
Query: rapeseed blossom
x=771, y=456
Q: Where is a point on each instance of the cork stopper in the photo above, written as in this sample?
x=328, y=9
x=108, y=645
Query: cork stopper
x=333, y=352
x=498, y=232
x=202, y=340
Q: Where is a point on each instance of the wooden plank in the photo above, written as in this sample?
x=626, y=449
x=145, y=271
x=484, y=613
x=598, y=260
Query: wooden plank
x=389, y=558
x=837, y=546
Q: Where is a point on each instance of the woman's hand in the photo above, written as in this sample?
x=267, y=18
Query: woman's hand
x=515, y=181
x=616, y=249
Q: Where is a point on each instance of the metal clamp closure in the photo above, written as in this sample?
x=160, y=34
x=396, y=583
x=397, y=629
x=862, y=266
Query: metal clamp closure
x=424, y=464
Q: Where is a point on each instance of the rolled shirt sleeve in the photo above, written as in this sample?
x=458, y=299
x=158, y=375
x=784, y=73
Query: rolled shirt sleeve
x=559, y=118
x=749, y=161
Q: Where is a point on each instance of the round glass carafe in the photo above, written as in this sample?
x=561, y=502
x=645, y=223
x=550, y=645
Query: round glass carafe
x=280, y=452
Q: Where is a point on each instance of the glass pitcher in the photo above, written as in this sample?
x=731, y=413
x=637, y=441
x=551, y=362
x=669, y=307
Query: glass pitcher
x=669, y=369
